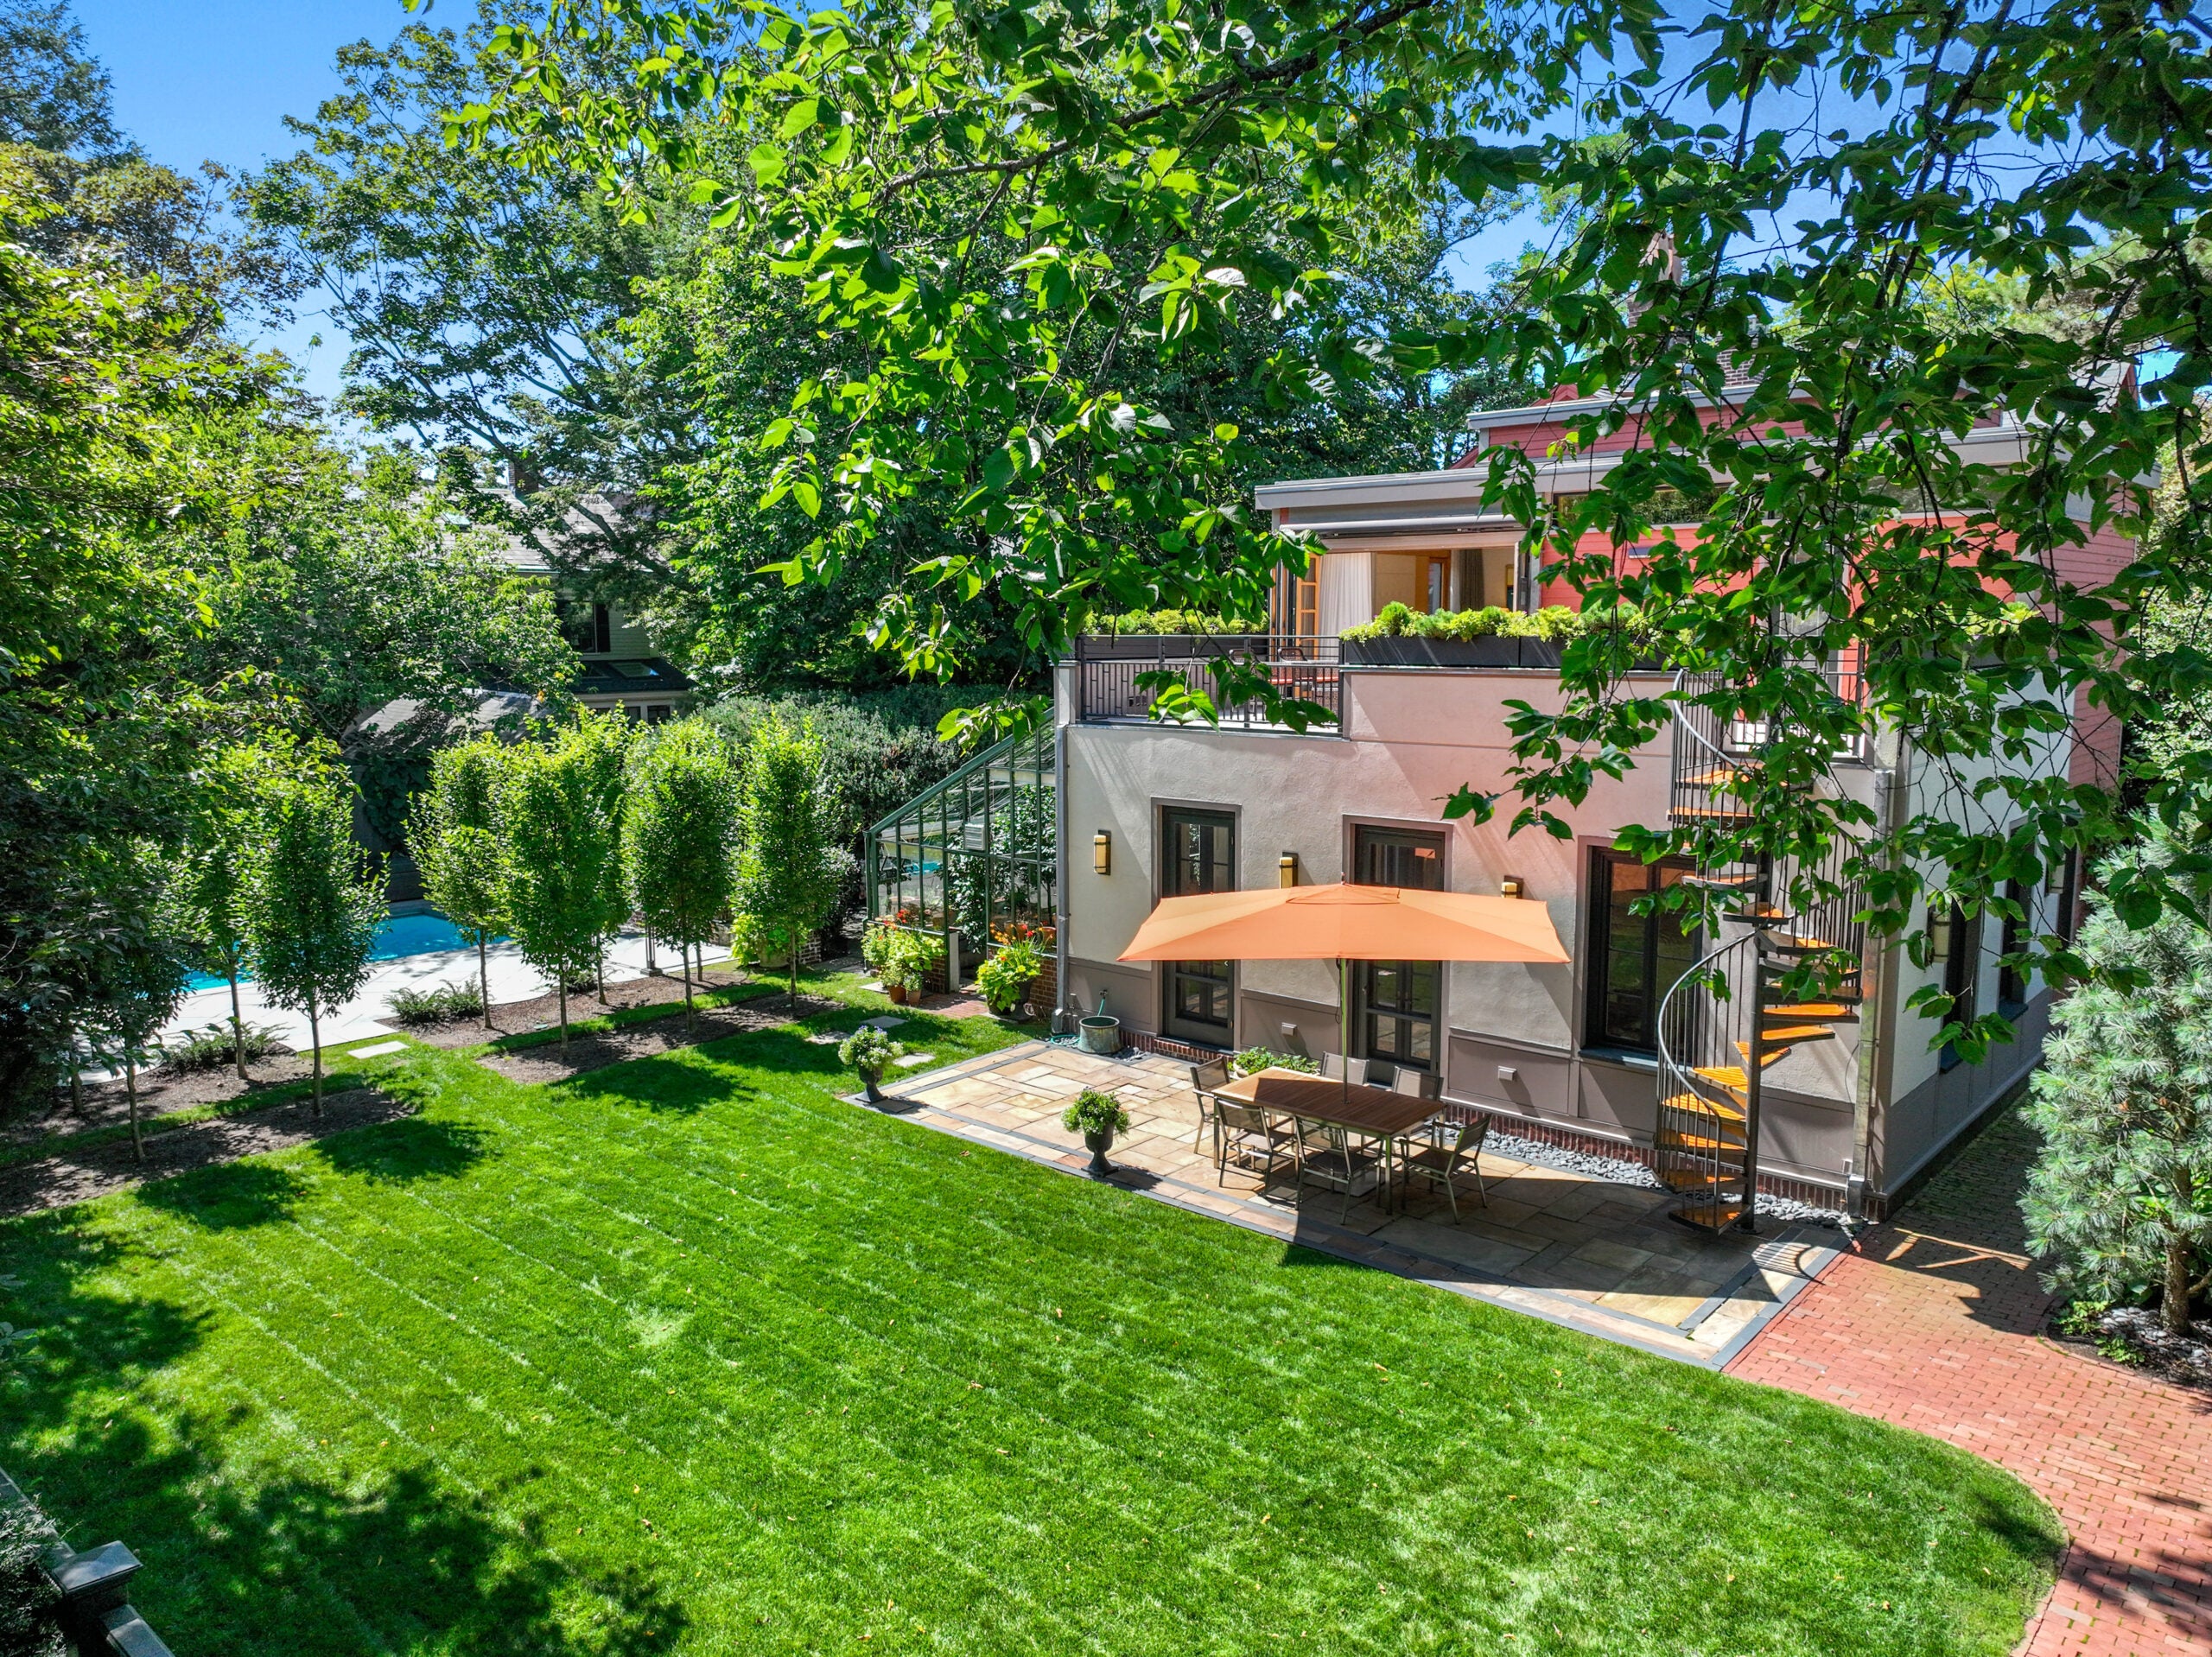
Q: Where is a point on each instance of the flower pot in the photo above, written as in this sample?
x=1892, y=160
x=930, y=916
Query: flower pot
x=872, y=1085
x=897, y=993
x=1101, y=1034
x=1099, y=1145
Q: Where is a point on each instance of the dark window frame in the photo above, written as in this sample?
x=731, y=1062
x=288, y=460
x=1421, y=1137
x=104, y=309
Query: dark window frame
x=2012, y=935
x=588, y=635
x=1659, y=966
x=1399, y=1005
x=1184, y=982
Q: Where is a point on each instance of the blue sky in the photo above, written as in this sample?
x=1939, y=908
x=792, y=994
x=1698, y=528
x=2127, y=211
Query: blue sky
x=198, y=82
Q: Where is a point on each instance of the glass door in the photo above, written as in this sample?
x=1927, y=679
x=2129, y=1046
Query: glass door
x=1199, y=854
x=1398, y=1001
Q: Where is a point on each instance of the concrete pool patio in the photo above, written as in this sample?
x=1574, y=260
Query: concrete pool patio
x=1589, y=1253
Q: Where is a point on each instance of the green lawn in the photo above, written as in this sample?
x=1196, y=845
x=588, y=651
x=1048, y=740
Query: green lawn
x=689, y=1355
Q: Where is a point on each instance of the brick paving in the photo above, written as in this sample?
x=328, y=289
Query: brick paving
x=1933, y=1326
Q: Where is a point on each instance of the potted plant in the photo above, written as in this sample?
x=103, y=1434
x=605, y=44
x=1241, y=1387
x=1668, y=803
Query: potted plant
x=1097, y=1116
x=870, y=1052
x=1005, y=978
x=877, y=946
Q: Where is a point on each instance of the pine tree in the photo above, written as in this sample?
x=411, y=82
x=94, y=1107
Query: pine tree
x=313, y=902
x=2121, y=1197
x=453, y=834
x=679, y=836
x=789, y=872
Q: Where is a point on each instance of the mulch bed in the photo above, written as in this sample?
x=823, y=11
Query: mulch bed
x=2180, y=1360
x=160, y=1092
x=597, y=1050
x=95, y=1170
x=543, y=1012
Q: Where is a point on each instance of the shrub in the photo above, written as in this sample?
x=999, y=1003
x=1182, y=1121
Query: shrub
x=27, y=1595
x=1554, y=625
x=1094, y=1112
x=901, y=955
x=439, y=1005
x=1252, y=1060
x=2119, y=1200
x=1004, y=979
x=211, y=1047
x=1172, y=621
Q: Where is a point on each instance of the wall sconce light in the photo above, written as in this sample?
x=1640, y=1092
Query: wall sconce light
x=1510, y=887
x=1102, y=852
x=1287, y=869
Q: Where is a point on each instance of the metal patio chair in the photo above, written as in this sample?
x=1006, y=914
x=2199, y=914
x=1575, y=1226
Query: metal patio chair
x=1247, y=1132
x=1335, y=1162
x=1451, y=1148
x=1204, y=1078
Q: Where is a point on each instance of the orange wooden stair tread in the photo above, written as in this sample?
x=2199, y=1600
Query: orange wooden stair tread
x=1705, y=1106
x=1807, y=1012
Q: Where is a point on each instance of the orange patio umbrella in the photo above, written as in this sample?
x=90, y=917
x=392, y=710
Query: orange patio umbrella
x=1345, y=923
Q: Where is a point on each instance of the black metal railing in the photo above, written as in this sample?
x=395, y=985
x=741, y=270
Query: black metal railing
x=1247, y=680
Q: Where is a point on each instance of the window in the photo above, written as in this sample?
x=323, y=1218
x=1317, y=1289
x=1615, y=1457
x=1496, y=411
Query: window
x=1962, y=974
x=1198, y=853
x=1398, y=1001
x=2012, y=982
x=585, y=625
x=1434, y=587
x=1634, y=958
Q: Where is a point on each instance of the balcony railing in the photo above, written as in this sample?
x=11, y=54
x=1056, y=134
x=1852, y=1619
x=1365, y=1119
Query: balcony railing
x=1247, y=677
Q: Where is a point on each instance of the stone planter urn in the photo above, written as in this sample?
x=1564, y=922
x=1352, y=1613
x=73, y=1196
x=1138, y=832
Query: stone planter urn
x=872, y=1086
x=1100, y=1033
x=1099, y=1145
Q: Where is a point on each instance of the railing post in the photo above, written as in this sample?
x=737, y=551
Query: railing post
x=1754, y=1066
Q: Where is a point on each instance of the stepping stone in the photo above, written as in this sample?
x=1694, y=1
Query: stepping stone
x=377, y=1050
x=887, y=1022
x=825, y=1038
x=914, y=1060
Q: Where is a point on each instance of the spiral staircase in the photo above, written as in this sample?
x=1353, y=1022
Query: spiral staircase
x=1731, y=1017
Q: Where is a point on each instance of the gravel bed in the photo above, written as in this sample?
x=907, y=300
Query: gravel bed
x=1620, y=1170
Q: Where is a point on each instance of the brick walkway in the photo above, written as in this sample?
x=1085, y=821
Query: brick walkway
x=1933, y=1326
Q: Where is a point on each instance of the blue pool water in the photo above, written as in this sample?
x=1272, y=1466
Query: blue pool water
x=399, y=936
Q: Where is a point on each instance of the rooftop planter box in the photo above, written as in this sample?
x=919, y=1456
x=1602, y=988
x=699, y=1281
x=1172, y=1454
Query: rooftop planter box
x=1169, y=647
x=1493, y=652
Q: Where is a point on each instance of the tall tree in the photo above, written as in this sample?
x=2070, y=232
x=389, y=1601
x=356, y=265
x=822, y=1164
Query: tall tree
x=2122, y=1192
x=679, y=837
x=1733, y=285
x=313, y=903
x=789, y=868
x=561, y=862
x=454, y=838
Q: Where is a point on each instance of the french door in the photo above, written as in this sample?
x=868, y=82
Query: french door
x=1198, y=853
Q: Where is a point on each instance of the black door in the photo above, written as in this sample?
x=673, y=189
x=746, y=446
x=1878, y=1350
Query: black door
x=1198, y=853
x=1398, y=1000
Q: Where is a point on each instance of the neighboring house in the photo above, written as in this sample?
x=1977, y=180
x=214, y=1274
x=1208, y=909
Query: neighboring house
x=1605, y=1053
x=620, y=670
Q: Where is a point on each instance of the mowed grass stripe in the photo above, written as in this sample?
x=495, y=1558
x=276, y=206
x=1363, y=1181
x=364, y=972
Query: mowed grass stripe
x=1218, y=1445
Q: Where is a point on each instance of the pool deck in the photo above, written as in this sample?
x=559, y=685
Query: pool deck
x=513, y=979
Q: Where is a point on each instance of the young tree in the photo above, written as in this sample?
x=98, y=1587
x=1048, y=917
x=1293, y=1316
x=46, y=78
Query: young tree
x=208, y=895
x=561, y=856
x=604, y=743
x=679, y=836
x=2121, y=1195
x=144, y=972
x=312, y=903
x=454, y=838
x=788, y=873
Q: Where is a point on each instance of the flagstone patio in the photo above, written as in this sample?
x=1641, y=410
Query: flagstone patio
x=1598, y=1256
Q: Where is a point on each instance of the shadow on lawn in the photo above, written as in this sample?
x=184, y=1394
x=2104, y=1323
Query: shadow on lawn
x=228, y=1196
x=671, y=1083
x=408, y=1149
x=254, y=1559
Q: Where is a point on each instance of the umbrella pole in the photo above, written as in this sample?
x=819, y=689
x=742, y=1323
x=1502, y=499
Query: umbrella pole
x=1343, y=1022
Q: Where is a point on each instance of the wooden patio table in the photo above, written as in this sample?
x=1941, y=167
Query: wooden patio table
x=1374, y=1113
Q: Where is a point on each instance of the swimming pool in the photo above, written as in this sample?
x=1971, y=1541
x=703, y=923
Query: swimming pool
x=398, y=936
